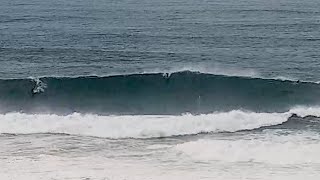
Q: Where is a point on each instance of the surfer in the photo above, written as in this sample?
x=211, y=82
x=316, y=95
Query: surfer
x=38, y=87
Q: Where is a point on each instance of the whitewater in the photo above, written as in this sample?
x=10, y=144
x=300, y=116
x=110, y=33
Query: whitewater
x=145, y=126
x=188, y=146
x=225, y=145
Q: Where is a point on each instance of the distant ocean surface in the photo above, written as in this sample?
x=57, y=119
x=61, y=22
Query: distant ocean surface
x=159, y=89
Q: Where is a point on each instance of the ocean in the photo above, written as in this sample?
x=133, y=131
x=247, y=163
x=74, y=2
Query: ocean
x=159, y=89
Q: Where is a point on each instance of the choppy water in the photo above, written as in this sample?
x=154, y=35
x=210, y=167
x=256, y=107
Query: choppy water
x=149, y=89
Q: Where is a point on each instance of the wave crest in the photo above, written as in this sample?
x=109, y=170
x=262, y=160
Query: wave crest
x=143, y=126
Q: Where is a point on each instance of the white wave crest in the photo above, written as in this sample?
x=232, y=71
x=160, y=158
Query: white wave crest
x=305, y=111
x=139, y=126
x=144, y=126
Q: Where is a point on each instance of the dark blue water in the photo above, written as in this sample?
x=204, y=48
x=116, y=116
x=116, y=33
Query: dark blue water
x=79, y=37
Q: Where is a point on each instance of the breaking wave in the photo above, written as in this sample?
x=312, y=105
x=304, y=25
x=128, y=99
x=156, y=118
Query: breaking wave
x=145, y=126
x=157, y=93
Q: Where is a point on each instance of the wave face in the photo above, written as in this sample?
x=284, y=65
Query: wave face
x=158, y=93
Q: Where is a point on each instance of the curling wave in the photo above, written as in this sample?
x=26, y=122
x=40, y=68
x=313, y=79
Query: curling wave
x=158, y=93
x=145, y=126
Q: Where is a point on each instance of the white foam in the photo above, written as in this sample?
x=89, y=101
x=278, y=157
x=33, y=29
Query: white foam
x=306, y=111
x=144, y=126
x=283, y=78
x=158, y=146
x=280, y=150
x=101, y=168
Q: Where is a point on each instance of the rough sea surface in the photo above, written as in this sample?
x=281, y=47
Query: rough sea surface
x=159, y=89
